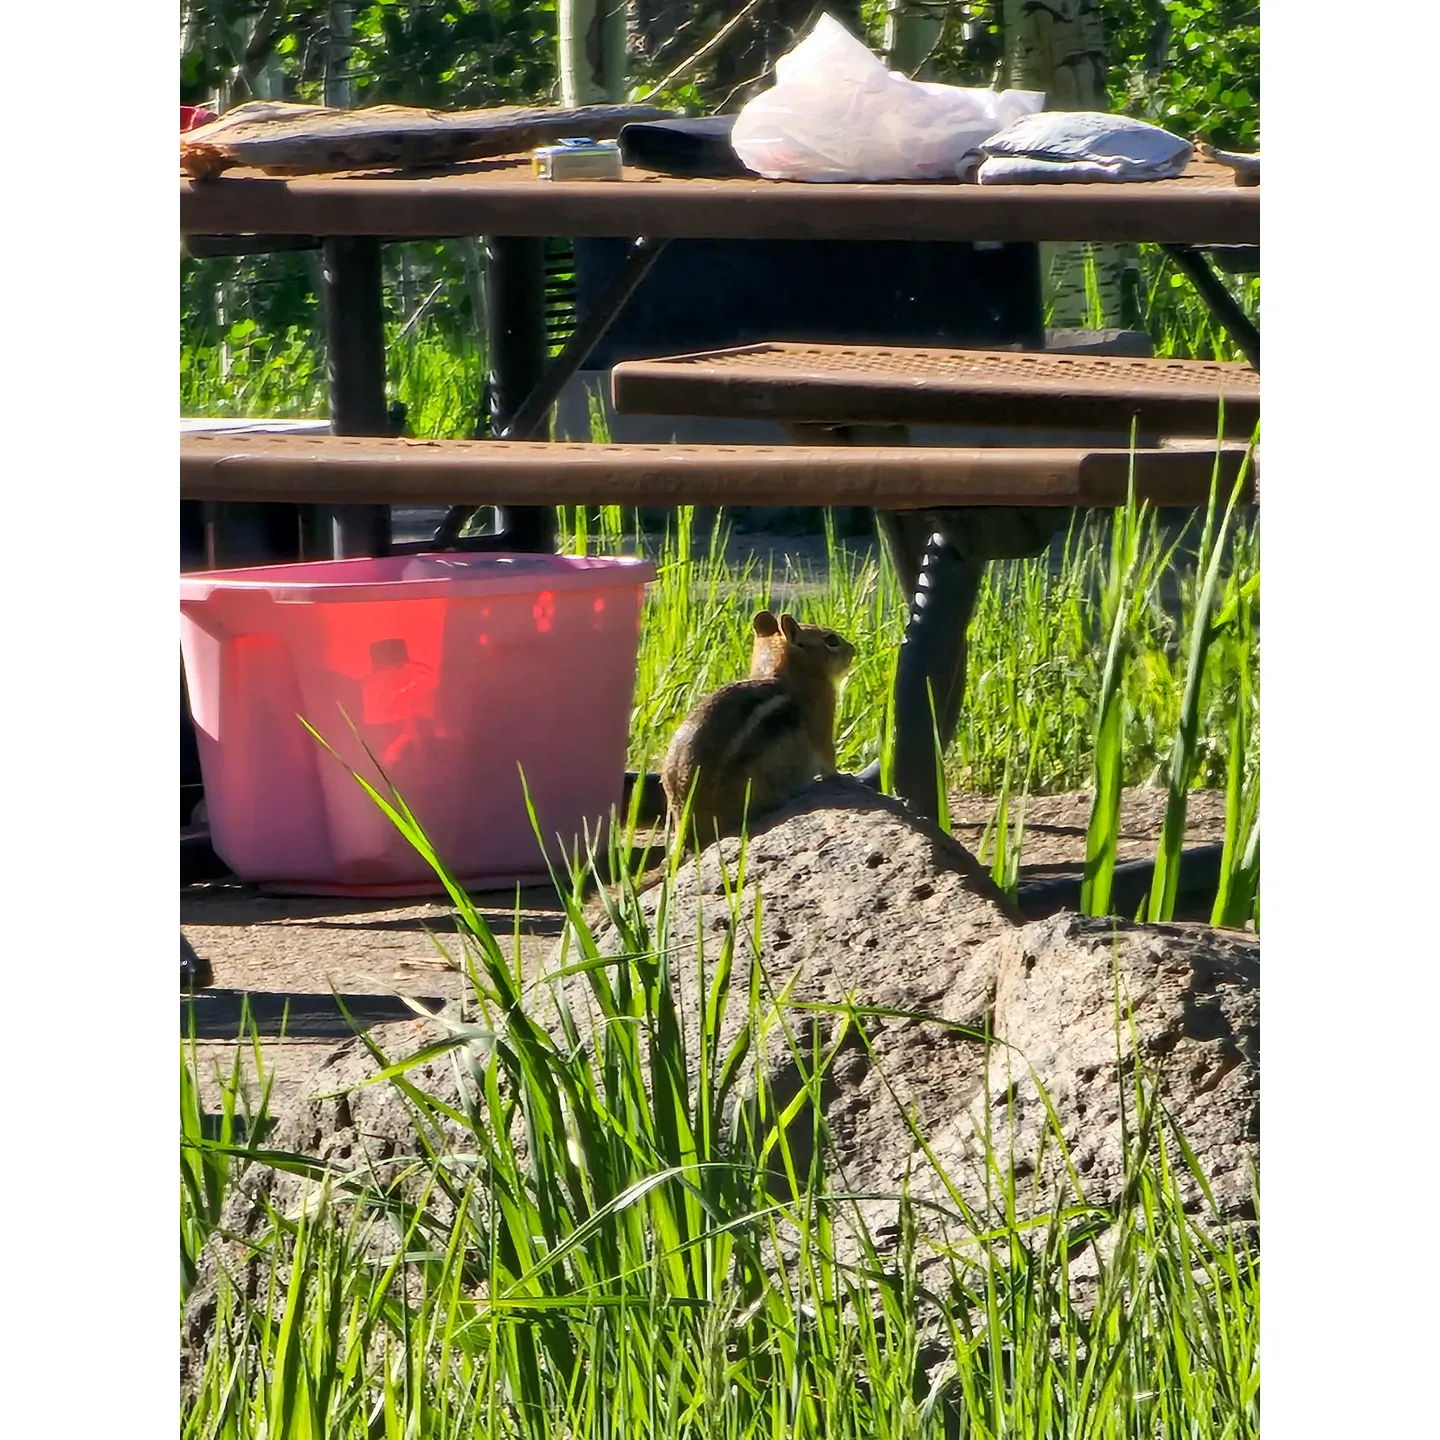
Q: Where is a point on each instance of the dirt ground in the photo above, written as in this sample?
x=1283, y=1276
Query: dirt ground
x=283, y=956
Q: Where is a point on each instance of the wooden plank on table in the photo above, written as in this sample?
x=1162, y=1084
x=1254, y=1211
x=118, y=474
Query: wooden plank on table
x=355, y=470
x=279, y=138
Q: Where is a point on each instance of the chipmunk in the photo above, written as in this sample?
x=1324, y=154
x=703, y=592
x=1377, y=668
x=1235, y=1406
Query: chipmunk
x=765, y=738
x=768, y=736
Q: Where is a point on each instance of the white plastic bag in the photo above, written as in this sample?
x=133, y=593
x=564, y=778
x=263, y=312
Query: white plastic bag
x=836, y=113
x=1081, y=145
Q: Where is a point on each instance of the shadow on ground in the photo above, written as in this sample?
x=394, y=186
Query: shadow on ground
x=222, y=1014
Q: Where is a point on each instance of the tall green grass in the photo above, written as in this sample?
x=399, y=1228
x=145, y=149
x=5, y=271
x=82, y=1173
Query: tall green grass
x=210, y=1140
x=1236, y=628
x=1184, y=746
x=1039, y=643
x=254, y=374
x=1178, y=321
x=438, y=379
x=615, y=1246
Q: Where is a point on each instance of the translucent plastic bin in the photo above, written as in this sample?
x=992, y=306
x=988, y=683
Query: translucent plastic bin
x=457, y=671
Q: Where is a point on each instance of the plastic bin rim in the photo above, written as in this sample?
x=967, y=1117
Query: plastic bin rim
x=601, y=572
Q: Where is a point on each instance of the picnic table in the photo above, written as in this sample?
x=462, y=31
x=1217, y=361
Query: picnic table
x=349, y=217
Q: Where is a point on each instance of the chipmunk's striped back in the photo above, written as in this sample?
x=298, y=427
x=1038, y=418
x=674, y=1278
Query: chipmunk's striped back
x=750, y=746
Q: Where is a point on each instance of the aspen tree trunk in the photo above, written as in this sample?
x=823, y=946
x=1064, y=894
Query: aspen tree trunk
x=337, y=57
x=1058, y=46
x=592, y=51
x=911, y=29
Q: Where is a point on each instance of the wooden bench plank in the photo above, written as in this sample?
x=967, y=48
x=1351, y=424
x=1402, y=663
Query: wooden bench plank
x=354, y=470
x=905, y=385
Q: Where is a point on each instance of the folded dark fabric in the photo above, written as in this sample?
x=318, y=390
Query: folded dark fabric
x=698, y=145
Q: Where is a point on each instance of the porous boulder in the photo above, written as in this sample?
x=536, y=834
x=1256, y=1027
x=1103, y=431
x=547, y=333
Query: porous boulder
x=1080, y=1002
x=862, y=903
x=858, y=901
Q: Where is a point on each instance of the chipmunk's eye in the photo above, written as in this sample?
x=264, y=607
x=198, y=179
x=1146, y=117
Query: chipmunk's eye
x=833, y=640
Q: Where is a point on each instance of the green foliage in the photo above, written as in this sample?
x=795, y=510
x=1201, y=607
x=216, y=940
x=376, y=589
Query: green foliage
x=971, y=46
x=459, y=55
x=439, y=382
x=1177, y=320
x=269, y=304
x=252, y=372
x=1135, y=564
x=1189, y=65
x=682, y=95
x=214, y=1142
x=1186, y=64
x=452, y=54
x=275, y=293
x=1236, y=632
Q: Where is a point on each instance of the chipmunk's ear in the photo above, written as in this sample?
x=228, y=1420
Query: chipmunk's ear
x=766, y=625
x=790, y=628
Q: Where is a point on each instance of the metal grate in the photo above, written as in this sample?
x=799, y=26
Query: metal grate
x=906, y=385
x=909, y=366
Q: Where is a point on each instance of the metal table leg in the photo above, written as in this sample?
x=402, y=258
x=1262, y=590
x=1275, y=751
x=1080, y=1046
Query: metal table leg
x=355, y=350
x=905, y=534
x=515, y=303
x=588, y=333
x=953, y=548
x=1241, y=328
x=522, y=386
x=932, y=663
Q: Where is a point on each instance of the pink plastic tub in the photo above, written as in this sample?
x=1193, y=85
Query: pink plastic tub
x=458, y=671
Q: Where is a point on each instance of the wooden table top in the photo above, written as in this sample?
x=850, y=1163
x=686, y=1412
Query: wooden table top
x=502, y=197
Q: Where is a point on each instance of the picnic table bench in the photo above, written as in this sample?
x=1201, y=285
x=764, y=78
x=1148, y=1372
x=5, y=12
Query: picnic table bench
x=943, y=511
x=905, y=385
x=357, y=470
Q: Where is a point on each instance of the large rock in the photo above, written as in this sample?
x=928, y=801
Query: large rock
x=862, y=902
x=1134, y=1032
x=1080, y=1001
x=859, y=902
